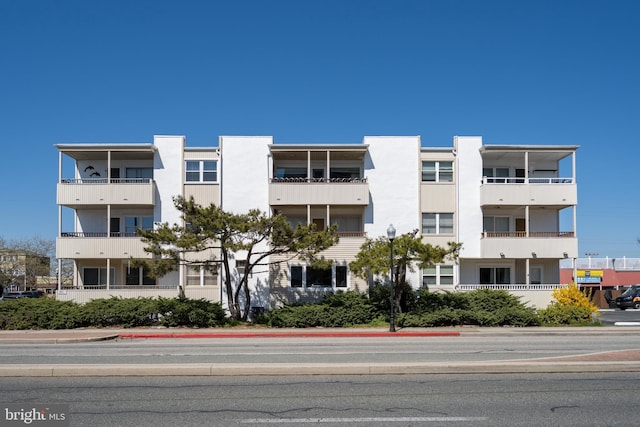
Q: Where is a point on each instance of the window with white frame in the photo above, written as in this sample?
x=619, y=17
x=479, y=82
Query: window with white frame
x=495, y=275
x=440, y=274
x=437, y=171
x=296, y=276
x=341, y=276
x=198, y=275
x=201, y=171
x=437, y=223
x=241, y=267
x=310, y=277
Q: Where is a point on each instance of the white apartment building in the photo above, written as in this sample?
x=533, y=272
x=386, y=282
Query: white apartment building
x=513, y=208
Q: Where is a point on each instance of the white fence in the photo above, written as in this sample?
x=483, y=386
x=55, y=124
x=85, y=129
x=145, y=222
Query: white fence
x=617, y=264
x=81, y=296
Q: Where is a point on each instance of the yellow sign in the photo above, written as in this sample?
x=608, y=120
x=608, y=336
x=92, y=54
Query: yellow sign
x=590, y=273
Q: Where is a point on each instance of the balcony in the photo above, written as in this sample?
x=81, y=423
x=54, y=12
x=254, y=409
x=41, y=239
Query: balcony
x=98, y=191
x=516, y=191
x=539, y=244
x=98, y=245
x=303, y=191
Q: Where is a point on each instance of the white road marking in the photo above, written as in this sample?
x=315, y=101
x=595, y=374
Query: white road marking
x=359, y=420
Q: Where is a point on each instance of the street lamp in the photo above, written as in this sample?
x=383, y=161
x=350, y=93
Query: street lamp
x=391, y=234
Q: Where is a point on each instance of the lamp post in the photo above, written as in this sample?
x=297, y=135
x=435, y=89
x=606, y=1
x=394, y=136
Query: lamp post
x=391, y=234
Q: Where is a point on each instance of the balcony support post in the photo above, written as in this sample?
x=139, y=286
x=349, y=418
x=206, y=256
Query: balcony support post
x=328, y=222
x=328, y=172
x=108, y=273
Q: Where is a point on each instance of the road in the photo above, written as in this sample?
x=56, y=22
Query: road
x=588, y=399
x=493, y=349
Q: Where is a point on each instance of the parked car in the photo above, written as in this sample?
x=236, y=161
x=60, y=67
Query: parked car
x=630, y=298
x=21, y=294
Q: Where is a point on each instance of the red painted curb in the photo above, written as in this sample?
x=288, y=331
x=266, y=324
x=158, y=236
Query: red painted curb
x=290, y=334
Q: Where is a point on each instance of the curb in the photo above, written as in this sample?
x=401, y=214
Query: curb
x=289, y=334
x=281, y=369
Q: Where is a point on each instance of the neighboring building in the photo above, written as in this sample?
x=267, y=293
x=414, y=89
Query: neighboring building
x=19, y=269
x=512, y=207
x=601, y=277
x=601, y=273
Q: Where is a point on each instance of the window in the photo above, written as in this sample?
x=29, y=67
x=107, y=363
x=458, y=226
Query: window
x=138, y=276
x=437, y=275
x=98, y=276
x=296, y=276
x=138, y=174
x=496, y=223
x=437, y=171
x=437, y=223
x=341, y=276
x=495, y=275
x=446, y=274
x=496, y=175
x=291, y=172
x=318, y=277
x=535, y=274
x=344, y=173
x=429, y=276
x=132, y=223
x=201, y=171
x=241, y=266
x=198, y=275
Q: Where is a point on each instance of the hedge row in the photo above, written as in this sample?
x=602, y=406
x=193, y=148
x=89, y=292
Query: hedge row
x=483, y=307
x=48, y=313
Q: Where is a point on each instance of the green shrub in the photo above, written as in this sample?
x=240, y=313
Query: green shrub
x=565, y=315
x=492, y=300
x=122, y=312
x=39, y=313
x=172, y=312
x=48, y=313
x=338, y=310
x=431, y=301
x=379, y=297
x=483, y=307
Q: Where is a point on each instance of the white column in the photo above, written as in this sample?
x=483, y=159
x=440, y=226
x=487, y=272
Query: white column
x=59, y=274
x=328, y=169
x=108, y=273
x=328, y=223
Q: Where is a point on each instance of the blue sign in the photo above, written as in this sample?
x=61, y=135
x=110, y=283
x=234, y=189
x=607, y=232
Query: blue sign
x=589, y=279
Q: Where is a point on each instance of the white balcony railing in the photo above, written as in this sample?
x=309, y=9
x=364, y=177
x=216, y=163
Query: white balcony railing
x=523, y=234
x=522, y=180
x=510, y=286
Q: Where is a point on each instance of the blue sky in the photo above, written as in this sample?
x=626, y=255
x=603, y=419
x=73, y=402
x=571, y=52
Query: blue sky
x=514, y=72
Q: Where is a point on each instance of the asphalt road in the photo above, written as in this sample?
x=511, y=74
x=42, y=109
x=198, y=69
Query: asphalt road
x=478, y=350
x=587, y=399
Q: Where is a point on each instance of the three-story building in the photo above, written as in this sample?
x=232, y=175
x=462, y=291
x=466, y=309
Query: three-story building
x=512, y=207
